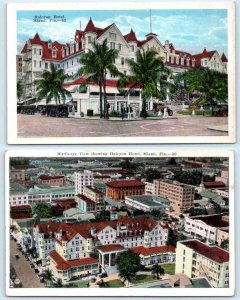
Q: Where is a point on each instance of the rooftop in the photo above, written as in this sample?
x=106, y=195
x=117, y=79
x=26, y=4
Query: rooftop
x=48, y=177
x=213, y=220
x=53, y=190
x=214, y=184
x=125, y=183
x=63, y=264
x=111, y=248
x=151, y=201
x=17, y=188
x=212, y=252
x=153, y=250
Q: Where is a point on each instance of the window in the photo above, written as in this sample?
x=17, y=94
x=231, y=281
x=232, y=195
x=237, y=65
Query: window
x=35, y=63
x=40, y=51
x=46, y=65
x=89, y=40
x=34, y=51
x=132, y=48
x=54, y=53
x=40, y=64
x=119, y=47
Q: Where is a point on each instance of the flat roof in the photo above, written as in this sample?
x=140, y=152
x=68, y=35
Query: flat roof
x=125, y=183
x=53, y=190
x=212, y=252
x=151, y=201
x=16, y=187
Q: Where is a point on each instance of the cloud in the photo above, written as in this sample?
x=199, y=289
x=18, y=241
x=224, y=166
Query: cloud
x=186, y=32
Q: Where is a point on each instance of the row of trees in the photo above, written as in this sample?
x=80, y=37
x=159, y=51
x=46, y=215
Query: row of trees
x=147, y=72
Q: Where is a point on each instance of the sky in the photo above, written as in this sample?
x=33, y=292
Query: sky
x=189, y=30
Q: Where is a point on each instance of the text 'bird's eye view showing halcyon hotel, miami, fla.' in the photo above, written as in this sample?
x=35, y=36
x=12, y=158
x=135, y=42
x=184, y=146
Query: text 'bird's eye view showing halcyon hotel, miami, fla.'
x=112, y=222
x=89, y=73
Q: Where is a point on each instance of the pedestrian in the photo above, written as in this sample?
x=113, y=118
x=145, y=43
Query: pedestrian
x=122, y=112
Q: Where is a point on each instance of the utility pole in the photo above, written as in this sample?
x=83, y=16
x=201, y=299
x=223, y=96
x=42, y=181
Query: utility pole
x=150, y=21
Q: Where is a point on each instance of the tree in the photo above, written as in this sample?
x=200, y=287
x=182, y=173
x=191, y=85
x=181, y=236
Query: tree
x=157, y=271
x=197, y=211
x=48, y=277
x=96, y=63
x=225, y=244
x=212, y=85
x=43, y=210
x=145, y=73
x=128, y=264
x=104, y=215
x=172, y=238
x=58, y=283
x=152, y=174
x=51, y=85
x=156, y=213
x=19, y=90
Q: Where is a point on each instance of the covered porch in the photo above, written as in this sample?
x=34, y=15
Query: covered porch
x=108, y=255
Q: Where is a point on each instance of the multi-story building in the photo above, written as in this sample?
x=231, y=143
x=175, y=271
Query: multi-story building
x=207, y=228
x=196, y=259
x=83, y=179
x=73, y=241
x=92, y=200
x=38, y=54
x=119, y=189
x=180, y=195
x=148, y=187
x=148, y=203
x=51, y=180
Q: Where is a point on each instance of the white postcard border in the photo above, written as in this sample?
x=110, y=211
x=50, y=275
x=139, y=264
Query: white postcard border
x=122, y=292
x=13, y=138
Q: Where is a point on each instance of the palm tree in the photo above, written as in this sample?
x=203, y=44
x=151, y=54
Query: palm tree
x=157, y=270
x=58, y=283
x=96, y=63
x=51, y=85
x=48, y=276
x=145, y=73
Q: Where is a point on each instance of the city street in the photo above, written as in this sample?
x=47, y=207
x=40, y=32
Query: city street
x=23, y=269
x=40, y=126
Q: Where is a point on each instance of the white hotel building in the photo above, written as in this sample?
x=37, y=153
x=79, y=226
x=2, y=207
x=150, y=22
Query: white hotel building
x=37, y=56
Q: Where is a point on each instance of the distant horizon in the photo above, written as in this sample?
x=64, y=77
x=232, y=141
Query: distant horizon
x=189, y=30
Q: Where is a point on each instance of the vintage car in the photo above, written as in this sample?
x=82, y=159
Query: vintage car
x=160, y=107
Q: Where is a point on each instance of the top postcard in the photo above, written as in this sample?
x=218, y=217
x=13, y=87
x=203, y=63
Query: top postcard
x=122, y=73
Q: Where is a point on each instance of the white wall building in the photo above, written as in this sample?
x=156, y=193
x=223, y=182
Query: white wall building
x=196, y=259
x=81, y=180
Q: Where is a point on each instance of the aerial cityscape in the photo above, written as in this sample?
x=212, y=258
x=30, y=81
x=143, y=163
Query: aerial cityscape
x=145, y=74
x=113, y=222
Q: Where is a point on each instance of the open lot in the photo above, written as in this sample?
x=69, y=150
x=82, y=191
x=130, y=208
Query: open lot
x=40, y=126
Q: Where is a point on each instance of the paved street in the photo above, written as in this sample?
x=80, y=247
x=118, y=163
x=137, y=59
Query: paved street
x=23, y=269
x=40, y=126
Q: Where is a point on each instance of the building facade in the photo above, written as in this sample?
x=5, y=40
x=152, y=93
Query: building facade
x=37, y=55
x=196, y=259
x=51, y=180
x=81, y=180
x=181, y=196
x=119, y=189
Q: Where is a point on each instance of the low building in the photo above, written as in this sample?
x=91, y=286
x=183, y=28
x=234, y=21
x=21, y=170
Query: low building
x=224, y=177
x=120, y=189
x=212, y=197
x=214, y=185
x=206, y=227
x=196, y=259
x=51, y=180
x=60, y=206
x=67, y=270
x=21, y=212
x=147, y=203
x=155, y=255
x=19, y=175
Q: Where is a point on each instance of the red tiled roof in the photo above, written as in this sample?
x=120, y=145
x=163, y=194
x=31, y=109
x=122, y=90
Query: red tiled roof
x=90, y=26
x=96, y=191
x=141, y=43
x=21, y=215
x=131, y=37
x=63, y=264
x=24, y=49
x=125, y=183
x=224, y=58
x=214, y=253
x=86, y=199
x=21, y=207
x=137, y=225
x=110, y=248
x=153, y=250
x=214, y=184
x=213, y=220
x=47, y=177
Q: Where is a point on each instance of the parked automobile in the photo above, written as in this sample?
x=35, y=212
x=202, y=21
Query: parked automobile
x=160, y=107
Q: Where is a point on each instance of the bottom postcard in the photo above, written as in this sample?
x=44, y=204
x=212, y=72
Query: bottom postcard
x=84, y=223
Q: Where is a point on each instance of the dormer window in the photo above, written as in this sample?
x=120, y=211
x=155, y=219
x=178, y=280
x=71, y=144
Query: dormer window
x=54, y=52
x=49, y=44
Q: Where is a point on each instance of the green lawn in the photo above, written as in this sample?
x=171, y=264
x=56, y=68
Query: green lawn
x=115, y=283
x=81, y=284
x=143, y=278
x=169, y=268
